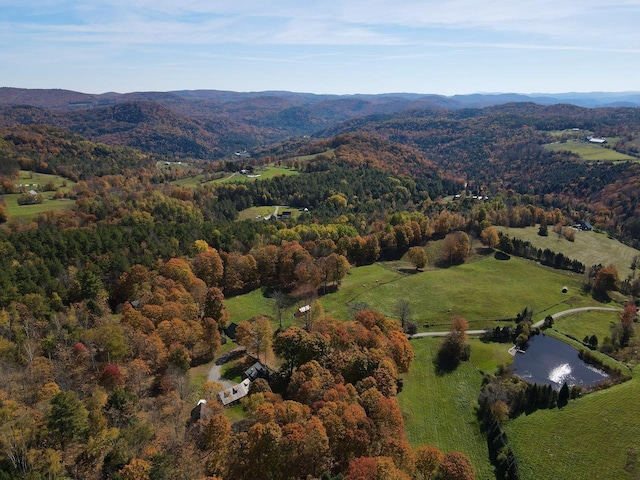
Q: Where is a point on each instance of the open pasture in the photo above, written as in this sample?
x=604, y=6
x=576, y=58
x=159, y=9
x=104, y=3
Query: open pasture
x=597, y=436
x=259, y=173
x=590, y=248
x=37, y=182
x=590, y=152
x=482, y=292
x=581, y=324
x=439, y=409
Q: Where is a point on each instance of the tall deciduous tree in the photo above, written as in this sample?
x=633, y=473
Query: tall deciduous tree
x=428, y=460
x=215, y=308
x=207, y=266
x=456, y=466
x=456, y=247
x=403, y=311
x=255, y=335
x=489, y=237
x=417, y=256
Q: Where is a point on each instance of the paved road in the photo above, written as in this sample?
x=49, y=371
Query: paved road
x=537, y=324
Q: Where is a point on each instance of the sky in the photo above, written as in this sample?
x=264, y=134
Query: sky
x=443, y=47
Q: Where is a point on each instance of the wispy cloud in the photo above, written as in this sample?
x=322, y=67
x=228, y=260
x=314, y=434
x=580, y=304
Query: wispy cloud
x=127, y=34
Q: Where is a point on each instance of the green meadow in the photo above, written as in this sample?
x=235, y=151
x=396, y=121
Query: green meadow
x=440, y=409
x=483, y=292
x=259, y=173
x=36, y=181
x=259, y=213
x=589, y=151
x=581, y=324
x=596, y=436
x=590, y=248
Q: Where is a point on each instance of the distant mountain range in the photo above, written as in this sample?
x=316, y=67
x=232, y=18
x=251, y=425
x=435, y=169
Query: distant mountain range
x=212, y=124
x=71, y=100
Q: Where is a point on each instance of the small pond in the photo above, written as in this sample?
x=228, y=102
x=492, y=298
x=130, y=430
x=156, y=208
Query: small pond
x=551, y=362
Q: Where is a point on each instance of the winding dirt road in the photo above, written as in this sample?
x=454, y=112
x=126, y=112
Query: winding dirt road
x=537, y=324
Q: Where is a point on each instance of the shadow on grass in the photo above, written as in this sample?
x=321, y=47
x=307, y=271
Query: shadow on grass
x=409, y=271
x=235, y=370
x=444, y=363
x=501, y=256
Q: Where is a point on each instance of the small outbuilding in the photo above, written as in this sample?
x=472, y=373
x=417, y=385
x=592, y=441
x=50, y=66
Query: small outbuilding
x=302, y=311
x=230, y=331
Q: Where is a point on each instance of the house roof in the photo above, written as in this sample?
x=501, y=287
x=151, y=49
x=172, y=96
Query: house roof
x=256, y=370
x=230, y=331
x=234, y=393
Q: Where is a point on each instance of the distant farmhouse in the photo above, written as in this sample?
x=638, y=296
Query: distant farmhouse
x=597, y=140
x=583, y=226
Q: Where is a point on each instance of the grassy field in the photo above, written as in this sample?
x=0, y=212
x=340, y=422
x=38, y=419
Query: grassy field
x=29, y=212
x=258, y=213
x=36, y=181
x=580, y=324
x=597, y=436
x=589, y=248
x=481, y=291
x=439, y=410
x=589, y=151
x=260, y=173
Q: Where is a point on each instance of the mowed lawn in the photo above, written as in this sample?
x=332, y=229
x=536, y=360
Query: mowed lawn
x=590, y=248
x=439, y=410
x=594, y=437
x=589, y=151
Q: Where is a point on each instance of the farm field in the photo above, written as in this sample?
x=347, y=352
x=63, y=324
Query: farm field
x=589, y=151
x=597, y=436
x=590, y=248
x=260, y=173
x=439, y=409
x=29, y=212
x=36, y=181
x=481, y=291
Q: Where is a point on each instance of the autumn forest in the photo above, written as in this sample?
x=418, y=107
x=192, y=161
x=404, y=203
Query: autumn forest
x=117, y=264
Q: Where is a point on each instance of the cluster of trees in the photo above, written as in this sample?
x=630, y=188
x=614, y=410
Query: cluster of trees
x=454, y=347
x=524, y=248
x=88, y=395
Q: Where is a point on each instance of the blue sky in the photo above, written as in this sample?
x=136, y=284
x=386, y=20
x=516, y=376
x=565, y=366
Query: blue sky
x=347, y=46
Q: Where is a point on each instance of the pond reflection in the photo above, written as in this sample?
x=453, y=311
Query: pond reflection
x=549, y=361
